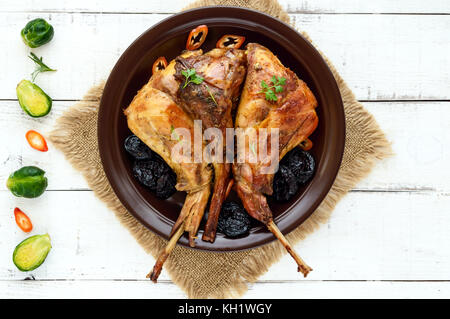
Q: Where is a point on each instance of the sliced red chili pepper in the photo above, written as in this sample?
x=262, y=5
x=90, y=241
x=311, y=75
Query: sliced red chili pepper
x=196, y=37
x=230, y=41
x=36, y=141
x=22, y=220
x=160, y=64
x=306, y=145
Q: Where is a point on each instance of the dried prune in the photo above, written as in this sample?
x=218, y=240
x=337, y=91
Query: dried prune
x=148, y=172
x=136, y=148
x=156, y=175
x=295, y=170
x=233, y=220
x=165, y=186
x=285, y=184
x=301, y=164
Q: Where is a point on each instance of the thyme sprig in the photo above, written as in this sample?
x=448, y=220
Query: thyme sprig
x=40, y=66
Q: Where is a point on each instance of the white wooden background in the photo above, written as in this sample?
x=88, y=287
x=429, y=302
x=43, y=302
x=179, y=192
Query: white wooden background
x=388, y=238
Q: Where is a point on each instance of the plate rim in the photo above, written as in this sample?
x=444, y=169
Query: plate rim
x=339, y=145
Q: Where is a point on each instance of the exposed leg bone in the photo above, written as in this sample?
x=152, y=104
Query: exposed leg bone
x=165, y=253
x=302, y=266
x=256, y=205
x=189, y=220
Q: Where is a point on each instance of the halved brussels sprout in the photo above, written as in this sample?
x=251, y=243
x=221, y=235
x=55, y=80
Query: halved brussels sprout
x=32, y=99
x=37, y=32
x=31, y=252
x=28, y=182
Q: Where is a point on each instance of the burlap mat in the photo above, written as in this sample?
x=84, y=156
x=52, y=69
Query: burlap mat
x=219, y=275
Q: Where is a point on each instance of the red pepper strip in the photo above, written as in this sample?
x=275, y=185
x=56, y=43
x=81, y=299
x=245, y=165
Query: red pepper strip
x=22, y=220
x=306, y=145
x=36, y=141
x=196, y=37
x=230, y=41
x=160, y=64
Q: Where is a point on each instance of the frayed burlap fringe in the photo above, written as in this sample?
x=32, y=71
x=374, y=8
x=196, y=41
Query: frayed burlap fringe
x=208, y=274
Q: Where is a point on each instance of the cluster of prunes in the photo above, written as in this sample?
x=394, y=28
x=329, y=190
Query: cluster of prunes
x=295, y=170
x=150, y=169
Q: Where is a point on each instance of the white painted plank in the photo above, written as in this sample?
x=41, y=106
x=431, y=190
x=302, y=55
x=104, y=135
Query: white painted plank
x=357, y=6
x=419, y=134
x=370, y=236
x=418, y=131
x=260, y=290
x=382, y=57
x=293, y=6
x=16, y=151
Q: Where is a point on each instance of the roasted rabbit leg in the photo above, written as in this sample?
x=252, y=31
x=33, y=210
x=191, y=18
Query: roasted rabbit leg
x=291, y=112
x=152, y=116
x=212, y=101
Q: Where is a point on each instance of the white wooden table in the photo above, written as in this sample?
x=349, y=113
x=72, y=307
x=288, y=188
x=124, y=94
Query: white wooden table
x=388, y=238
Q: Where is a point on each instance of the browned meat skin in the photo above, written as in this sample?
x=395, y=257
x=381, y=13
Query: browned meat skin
x=151, y=116
x=211, y=102
x=293, y=114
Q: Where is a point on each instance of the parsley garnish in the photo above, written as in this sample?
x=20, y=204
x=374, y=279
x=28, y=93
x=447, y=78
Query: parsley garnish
x=191, y=76
x=40, y=66
x=277, y=86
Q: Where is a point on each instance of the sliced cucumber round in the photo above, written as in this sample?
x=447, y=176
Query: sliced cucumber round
x=31, y=252
x=33, y=100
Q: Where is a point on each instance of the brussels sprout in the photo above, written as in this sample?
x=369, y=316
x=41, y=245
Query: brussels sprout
x=31, y=252
x=28, y=182
x=32, y=99
x=37, y=32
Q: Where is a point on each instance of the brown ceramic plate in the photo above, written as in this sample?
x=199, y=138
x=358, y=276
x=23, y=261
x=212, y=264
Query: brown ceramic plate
x=168, y=38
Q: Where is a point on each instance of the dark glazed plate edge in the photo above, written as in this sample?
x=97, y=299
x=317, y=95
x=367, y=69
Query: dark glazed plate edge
x=289, y=219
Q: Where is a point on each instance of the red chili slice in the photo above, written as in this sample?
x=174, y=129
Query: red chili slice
x=22, y=220
x=160, y=64
x=36, y=141
x=306, y=145
x=230, y=41
x=196, y=37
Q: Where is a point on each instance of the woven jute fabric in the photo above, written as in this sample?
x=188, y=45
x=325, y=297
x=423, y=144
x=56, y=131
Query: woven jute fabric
x=208, y=274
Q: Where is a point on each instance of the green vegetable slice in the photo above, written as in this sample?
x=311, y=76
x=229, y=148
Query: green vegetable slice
x=31, y=252
x=33, y=100
x=28, y=182
x=37, y=32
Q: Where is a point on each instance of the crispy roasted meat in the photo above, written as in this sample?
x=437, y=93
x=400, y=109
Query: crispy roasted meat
x=292, y=113
x=212, y=102
x=152, y=116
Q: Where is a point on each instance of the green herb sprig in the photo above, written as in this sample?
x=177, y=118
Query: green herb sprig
x=40, y=66
x=278, y=84
x=191, y=76
x=212, y=96
x=174, y=133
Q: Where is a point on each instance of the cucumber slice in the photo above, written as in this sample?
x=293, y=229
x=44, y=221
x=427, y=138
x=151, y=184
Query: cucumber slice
x=32, y=99
x=31, y=252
